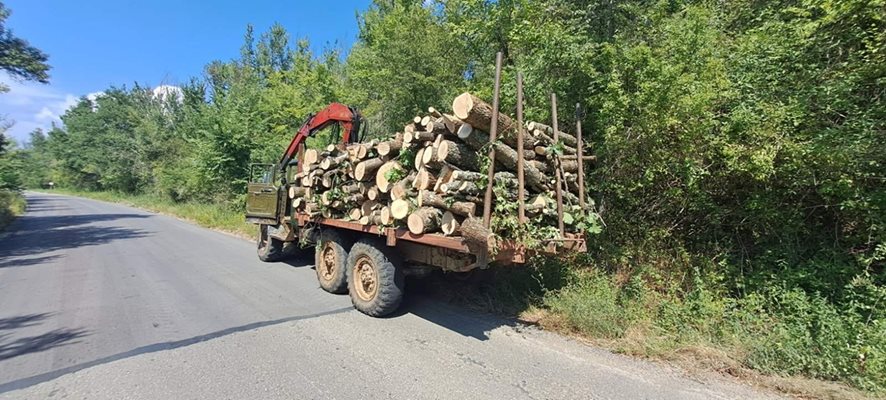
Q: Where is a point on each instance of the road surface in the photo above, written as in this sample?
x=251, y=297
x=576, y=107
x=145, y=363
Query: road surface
x=103, y=301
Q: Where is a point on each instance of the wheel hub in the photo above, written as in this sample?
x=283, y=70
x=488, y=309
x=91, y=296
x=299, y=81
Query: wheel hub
x=366, y=279
x=327, y=267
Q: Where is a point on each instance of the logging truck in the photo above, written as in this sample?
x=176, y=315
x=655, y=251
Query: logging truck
x=376, y=211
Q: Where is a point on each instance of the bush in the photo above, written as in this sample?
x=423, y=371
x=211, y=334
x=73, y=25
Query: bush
x=12, y=204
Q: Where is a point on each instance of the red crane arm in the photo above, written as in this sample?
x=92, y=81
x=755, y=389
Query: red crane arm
x=338, y=113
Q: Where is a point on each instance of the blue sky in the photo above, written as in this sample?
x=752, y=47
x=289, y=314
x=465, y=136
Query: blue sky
x=93, y=44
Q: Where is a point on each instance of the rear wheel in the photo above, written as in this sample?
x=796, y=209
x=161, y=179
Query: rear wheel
x=330, y=261
x=269, y=249
x=375, y=279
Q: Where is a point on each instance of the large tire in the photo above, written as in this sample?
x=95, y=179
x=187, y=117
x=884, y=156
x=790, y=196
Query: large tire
x=375, y=279
x=269, y=249
x=330, y=261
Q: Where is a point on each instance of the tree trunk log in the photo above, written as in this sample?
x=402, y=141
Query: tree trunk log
x=458, y=154
x=449, y=224
x=425, y=219
x=462, y=208
x=400, y=209
x=365, y=169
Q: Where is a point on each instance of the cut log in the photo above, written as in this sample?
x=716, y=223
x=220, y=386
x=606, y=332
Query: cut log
x=462, y=208
x=419, y=158
x=368, y=206
x=444, y=176
x=401, y=189
x=433, y=111
x=389, y=148
x=385, y=216
x=425, y=219
x=354, y=214
x=311, y=156
x=449, y=224
x=382, y=178
x=400, y=209
x=429, y=157
x=507, y=157
x=452, y=124
x=423, y=136
x=467, y=176
x=473, y=110
x=329, y=179
x=372, y=193
x=478, y=238
x=333, y=161
x=424, y=179
x=364, y=170
x=458, y=154
x=352, y=188
x=464, y=131
x=568, y=139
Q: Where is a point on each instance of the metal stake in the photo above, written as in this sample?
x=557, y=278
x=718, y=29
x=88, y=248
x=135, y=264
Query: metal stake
x=559, y=177
x=521, y=201
x=579, y=146
x=493, y=131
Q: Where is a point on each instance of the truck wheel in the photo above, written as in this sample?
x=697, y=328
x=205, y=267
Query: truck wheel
x=330, y=260
x=375, y=280
x=269, y=249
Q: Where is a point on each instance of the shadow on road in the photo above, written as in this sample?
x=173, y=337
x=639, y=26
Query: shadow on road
x=33, y=235
x=38, y=343
x=33, y=344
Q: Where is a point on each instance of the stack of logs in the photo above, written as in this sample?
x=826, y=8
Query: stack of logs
x=429, y=177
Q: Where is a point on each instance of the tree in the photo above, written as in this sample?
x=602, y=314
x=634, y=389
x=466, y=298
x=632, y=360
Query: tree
x=17, y=57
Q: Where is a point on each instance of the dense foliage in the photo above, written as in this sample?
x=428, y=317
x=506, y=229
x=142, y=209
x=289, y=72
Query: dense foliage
x=741, y=152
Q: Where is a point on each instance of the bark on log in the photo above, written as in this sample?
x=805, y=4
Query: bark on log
x=389, y=148
x=478, y=113
x=424, y=179
x=458, y=154
x=567, y=138
x=368, y=206
x=425, y=219
x=478, y=238
x=462, y=208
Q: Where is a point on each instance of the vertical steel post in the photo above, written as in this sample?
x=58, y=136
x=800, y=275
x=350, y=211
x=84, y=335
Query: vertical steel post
x=559, y=189
x=579, y=147
x=521, y=201
x=493, y=131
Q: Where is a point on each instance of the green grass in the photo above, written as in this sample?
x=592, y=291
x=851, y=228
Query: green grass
x=209, y=215
x=12, y=204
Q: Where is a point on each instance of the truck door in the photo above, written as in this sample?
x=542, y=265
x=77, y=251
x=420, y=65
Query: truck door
x=262, y=192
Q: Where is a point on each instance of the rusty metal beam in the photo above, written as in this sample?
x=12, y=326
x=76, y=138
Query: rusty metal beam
x=493, y=131
x=521, y=195
x=579, y=146
x=559, y=189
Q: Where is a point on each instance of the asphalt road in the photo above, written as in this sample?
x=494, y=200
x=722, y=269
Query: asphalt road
x=104, y=301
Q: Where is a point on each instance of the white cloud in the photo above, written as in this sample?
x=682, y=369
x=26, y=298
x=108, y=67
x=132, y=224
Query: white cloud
x=167, y=92
x=30, y=106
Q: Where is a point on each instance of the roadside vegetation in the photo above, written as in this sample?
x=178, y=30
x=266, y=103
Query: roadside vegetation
x=740, y=151
x=12, y=204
